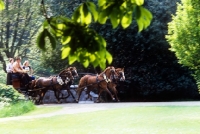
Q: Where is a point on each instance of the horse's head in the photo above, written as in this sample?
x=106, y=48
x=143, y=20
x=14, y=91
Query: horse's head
x=73, y=71
x=66, y=75
x=120, y=72
x=110, y=72
x=69, y=75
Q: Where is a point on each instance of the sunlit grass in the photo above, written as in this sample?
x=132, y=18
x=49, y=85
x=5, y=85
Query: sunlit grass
x=148, y=120
x=42, y=110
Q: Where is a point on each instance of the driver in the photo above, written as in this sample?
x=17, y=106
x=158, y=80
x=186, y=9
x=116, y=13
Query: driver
x=18, y=70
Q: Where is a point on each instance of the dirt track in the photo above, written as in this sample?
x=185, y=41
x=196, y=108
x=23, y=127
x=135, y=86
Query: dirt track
x=73, y=108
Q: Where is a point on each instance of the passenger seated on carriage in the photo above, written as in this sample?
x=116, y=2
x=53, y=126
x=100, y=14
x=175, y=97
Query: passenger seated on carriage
x=19, y=71
x=28, y=68
x=9, y=69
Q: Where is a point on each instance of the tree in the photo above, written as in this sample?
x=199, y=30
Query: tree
x=83, y=44
x=184, y=35
x=19, y=25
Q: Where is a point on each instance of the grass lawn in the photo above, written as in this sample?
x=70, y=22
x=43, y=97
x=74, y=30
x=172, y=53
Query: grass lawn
x=132, y=120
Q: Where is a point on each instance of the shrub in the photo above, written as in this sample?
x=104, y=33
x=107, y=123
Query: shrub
x=2, y=77
x=12, y=103
x=9, y=94
x=17, y=109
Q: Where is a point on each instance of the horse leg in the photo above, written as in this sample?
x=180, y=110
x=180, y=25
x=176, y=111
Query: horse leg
x=69, y=92
x=57, y=92
x=113, y=98
x=42, y=94
x=88, y=93
x=79, y=91
x=98, y=98
x=115, y=93
x=89, y=96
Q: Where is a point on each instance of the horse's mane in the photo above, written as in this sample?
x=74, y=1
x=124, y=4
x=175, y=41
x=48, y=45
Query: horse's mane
x=119, y=69
x=110, y=67
x=70, y=68
x=62, y=72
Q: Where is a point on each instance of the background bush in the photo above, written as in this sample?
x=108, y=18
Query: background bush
x=10, y=93
x=13, y=103
x=2, y=76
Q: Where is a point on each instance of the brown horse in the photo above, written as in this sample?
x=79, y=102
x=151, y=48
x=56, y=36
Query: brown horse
x=67, y=85
x=54, y=83
x=100, y=81
x=113, y=84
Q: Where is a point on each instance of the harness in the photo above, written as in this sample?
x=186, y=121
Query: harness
x=59, y=80
x=97, y=80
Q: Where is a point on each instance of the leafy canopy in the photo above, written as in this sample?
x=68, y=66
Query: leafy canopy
x=184, y=32
x=83, y=44
x=1, y=5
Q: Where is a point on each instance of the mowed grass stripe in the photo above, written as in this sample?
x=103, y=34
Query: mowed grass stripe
x=169, y=119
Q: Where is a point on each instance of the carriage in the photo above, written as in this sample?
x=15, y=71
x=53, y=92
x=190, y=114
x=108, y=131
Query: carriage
x=37, y=89
x=29, y=93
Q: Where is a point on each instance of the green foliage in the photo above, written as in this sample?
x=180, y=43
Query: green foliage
x=17, y=109
x=144, y=19
x=13, y=103
x=41, y=40
x=80, y=43
x=84, y=13
x=2, y=6
x=2, y=77
x=50, y=57
x=196, y=75
x=20, y=21
x=122, y=11
x=10, y=93
x=83, y=44
x=183, y=35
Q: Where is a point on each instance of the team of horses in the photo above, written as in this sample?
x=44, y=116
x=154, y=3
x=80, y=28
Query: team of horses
x=106, y=81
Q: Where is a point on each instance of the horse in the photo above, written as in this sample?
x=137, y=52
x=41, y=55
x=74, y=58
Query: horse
x=54, y=83
x=100, y=81
x=113, y=84
x=67, y=85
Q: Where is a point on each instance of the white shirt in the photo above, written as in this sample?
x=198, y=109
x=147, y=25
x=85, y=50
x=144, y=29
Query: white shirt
x=9, y=68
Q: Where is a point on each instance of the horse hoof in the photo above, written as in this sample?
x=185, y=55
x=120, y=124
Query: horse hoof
x=59, y=102
x=97, y=101
x=76, y=101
